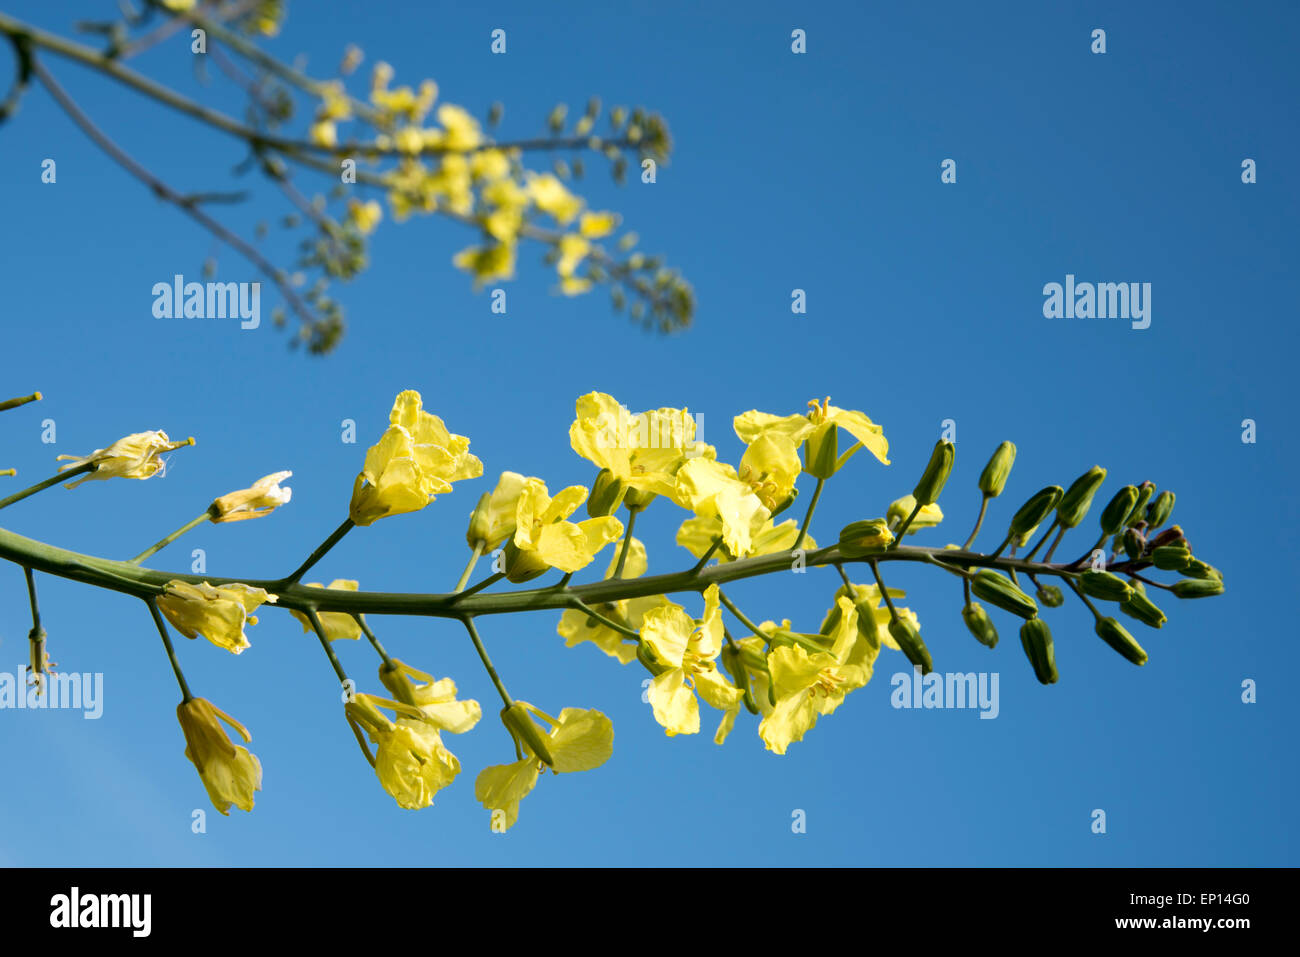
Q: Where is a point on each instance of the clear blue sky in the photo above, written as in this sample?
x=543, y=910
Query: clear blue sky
x=818, y=172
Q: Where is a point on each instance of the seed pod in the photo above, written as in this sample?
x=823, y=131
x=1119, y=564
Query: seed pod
x=1135, y=544
x=1171, y=558
x=1118, y=509
x=1104, y=585
x=521, y=724
x=1115, y=635
x=1199, y=569
x=1032, y=513
x=936, y=473
x=1078, y=498
x=731, y=660
x=1141, y=607
x=994, y=477
x=1036, y=639
x=606, y=494
x=1158, y=512
x=859, y=538
x=821, y=451
x=1198, y=588
x=909, y=639
x=999, y=590
x=786, y=502
x=1051, y=596
x=979, y=624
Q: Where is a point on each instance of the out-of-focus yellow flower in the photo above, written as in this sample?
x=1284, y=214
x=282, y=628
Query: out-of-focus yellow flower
x=324, y=133
x=813, y=425
x=807, y=685
x=550, y=196
x=687, y=652
x=899, y=509
x=460, y=131
x=508, y=201
x=365, y=216
x=263, y=498
x=410, y=760
x=545, y=539
x=493, y=520
x=572, y=249
x=415, y=460
x=643, y=451
x=575, y=285
x=697, y=535
x=435, y=699
x=579, y=740
x=337, y=625
x=487, y=262
x=712, y=490
x=230, y=773
x=135, y=456
x=576, y=626
x=179, y=6
x=595, y=225
x=335, y=104
x=490, y=165
x=217, y=613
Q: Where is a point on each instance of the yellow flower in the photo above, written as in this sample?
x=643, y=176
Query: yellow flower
x=712, y=490
x=579, y=740
x=179, y=6
x=807, y=685
x=687, y=652
x=262, y=499
x=770, y=466
x=435, y=699
x=927, y=517
x=491, y=165
x=487, y=262
x=697, y=535
x=642, y=451
x=820, y=419
x=596, y=225
x=572, y=249
x=135, y=456
x=575, y=285
x=873, y=629
x=324, y=133
x=337, y=625
x=545, y=539
x=335, y=104
x=415, y=460
x=410, y=760
x=493, y=520
x=577, y=626
x=218, y=614
x=365, y=216
x=461, y=131
x=230, y=773
x=550, y=196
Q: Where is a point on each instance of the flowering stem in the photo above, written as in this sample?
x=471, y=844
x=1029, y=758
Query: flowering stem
x=317, y=627
x=1056, y=541
x=581, y=605
x=1046, y=535
x=704, y=559
x=171, y=652
x=41, y=486
x=473, y=560
x=984, y=506
x=884, y=592
x=487, y=662
x=1084, y=598
x=627, y=542
x=807, y=518
x=320, y=552
x=164, y=542
x=370, y=635
x=31, y=597
x=8, y=404
x=490, y=580
x=740, y=615
x=902, y=530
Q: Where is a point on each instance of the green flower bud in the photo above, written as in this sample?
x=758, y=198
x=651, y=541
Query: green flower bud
x=999, y=590
x=1118, y=509
x=1171, y=558
x=821, y=451
x=1051, y=596
x=1199, y=569
x=936, y=473
x=1032, y=513
x=1145, y=491
x=980, y=624
x=651, y=662
x=786, y=502
x=1077, y=499
x=480, y=521
x=522, y=566
x=1173, y=535
x=1104, y=585
x=860, y=538
x=606, y=494
x=1036, y=639
x=994, y=477
x=1141, y=607
x=636, y=499
x=520, y=723
x=909, y=639
x=1135, y=544
x=1158, y=512
x=1117, y=636
x=1198, y=588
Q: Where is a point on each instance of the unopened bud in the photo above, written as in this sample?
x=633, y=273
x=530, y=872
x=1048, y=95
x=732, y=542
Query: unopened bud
x=1141, y=607
x=1118, y=509
x=936, y=473
x=1031, y=514
x=1051, y=596
x=1104, y=585
x=999, y=590
x=1135, y=544
x=909, y=640
x=979, y=624
x=1199, y=569
x=1036, y=639
x=1171, y=558
x=1145, y=491
x=480, y=521
x=1158, y=512
x=520, y=723
x=994, y=477
x=1078, y=497
x=821, y=451
x=1173, y=535
x=1117, y=636
x=1198, y=588
x=606, y=494
x=860, y=538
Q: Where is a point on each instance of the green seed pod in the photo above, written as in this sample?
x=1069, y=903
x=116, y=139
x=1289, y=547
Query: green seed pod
x=860, y=538
x=786, y=502
x=1135, y=544
x=999, y=590
x=1036, y=639
x=731, y=660
x=979, y=624
x=1199, y=569
x=1145, y=491
x=1051, y=596
x=1198, y=588
x=1117, y=636
x=1171, y=558
x=606, y=495
x=936, y=473
x=1118, y=509
x=1032, y=513
x=1104, y=585
x=821, y=452
x=1158, y=512
x=520, y=723
x=1141, y=607
x=994, y=477
x=1077, y=500
x=635, y=499
x=909, y=639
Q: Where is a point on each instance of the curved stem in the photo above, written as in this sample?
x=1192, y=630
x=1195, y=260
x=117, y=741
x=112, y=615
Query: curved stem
x=41, y=486
x=984, y=507
x=171, y=652
x=807, y=518
x=627, y=542
x=740, y=615
x=469, y=568
x=321, y=550
x=164, y=542
x=468, y=621
x=317, y=627
x=582, y=606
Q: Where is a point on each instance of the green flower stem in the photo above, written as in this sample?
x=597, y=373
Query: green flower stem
x=1046, y=535
x=41, y=486
x=740, y=615
x=317, y=627
x=844, y=576
x=807, y=518
x=171, y=652
x=1084, y=598
x=487, y=662
x=902, y=530
x=1003, y=547
x=370, y=635
x=582, y=606
x=884, y=592
x=321, y=550
x=1056, y=541
x=984, y=507
x=8, y=404
x=627, y=542
x=31, y=597
x=490, y=580
x=164, y=542
x=473, y=561
x=708, y=553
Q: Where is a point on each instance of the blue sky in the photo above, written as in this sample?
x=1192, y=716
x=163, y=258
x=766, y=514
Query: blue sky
x=820, y=172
